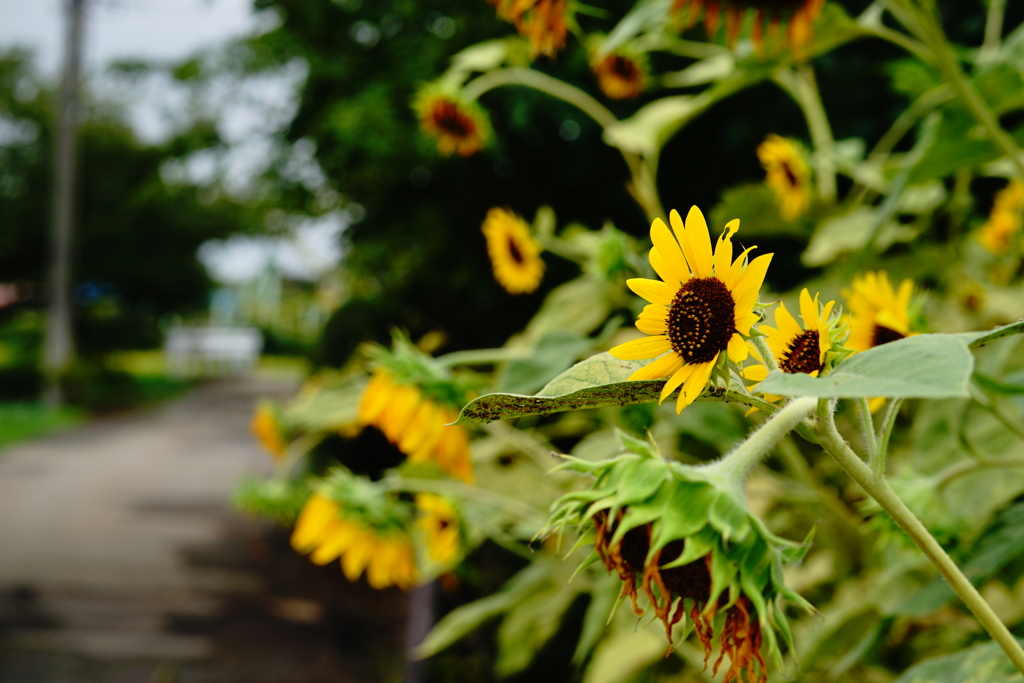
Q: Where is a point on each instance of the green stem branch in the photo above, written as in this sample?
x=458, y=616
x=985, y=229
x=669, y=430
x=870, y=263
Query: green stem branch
x=867, y=426
x=803, y=88
x=878, y=488
x=885, y=433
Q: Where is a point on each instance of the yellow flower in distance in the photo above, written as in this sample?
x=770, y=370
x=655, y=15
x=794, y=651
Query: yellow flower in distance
x=515, y=255
x=621, y=76
x=440, y=524
x=460, y=127
x=325, y=532
x=878, y=313
x=787, y=175
x=798, y=15
x=419, y=426
x=542, y=22
x=699, y=309
x=1005, y=220
x=268, y=432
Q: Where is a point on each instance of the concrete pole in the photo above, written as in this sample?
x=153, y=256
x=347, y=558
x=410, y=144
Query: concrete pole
x=59, y=345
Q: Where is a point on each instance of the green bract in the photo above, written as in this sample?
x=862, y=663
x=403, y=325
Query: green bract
x=691, y=547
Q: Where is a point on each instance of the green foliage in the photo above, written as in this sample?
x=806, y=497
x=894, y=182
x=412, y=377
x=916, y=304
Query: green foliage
x=983, y=662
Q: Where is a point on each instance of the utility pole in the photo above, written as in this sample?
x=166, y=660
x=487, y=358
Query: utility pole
x=59, y=343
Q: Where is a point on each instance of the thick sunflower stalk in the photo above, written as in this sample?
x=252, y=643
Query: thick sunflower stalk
x=675, y=536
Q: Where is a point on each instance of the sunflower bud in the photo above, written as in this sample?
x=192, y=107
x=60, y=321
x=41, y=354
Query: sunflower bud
x=672, y=534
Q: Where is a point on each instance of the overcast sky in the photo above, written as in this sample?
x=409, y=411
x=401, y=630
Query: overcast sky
x=150, y=29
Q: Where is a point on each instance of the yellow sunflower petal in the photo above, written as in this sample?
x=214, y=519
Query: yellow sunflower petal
x=638, y=349
x=317, y=515
x=744, y=321
x=335, y=542
x=648, y=326
x=700, y=243
x=809, y=309
x=737, y=349
x=695, y=384
x=786, y=323
x=655, y=291
x=824, y=343
x=673, y=383
x=723, y=250
x=662, y=367
x=745, y=294
x=758, y=373
x=364, y=545
x=667, y=246
x=661, y=267
x=736, y=270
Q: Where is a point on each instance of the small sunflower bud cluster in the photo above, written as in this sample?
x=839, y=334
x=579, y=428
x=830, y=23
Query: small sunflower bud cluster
x=691, y=548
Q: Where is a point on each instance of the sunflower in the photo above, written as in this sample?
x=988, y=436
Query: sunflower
x=699, y=309
x=787, y=175
x=419, y=425
x=542, y=22
x=798, y=349
x=800, y=15
x=267, y=429
x=620, y=76
x=878, y=314
x=515, y=255
x=327, y=533
x=440, y=524
x=1005, y=220
x=460, y=127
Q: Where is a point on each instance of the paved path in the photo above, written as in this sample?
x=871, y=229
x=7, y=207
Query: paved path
x=122, y=560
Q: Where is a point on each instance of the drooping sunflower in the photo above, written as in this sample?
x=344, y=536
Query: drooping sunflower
x=787, y=175
x=515, y=255
x=543, y=22
x=440, y=524
x=1005, y=219
x=799, y=15
x=266, y=427
x=417, y=423
x=700, y=308
x=692, y=549
x=328, y=531
x=621, y=75
x=460, y=127
x=878, y=313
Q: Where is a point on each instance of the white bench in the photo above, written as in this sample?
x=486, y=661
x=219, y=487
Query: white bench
x=211, y=351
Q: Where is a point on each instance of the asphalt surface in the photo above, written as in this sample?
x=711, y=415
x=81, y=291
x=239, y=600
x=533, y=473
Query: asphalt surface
x=122, y=559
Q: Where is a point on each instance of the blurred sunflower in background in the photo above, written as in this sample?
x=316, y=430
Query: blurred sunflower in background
x=459, y=127
x=266, y=427
x=788, y=175
x=543, y=22
x=328, y=530
x=798, y=15
x=878, y=313
x=439, y=523
x=622, y=74
x=700, y=308
x=515, y=255
x=1005, y=220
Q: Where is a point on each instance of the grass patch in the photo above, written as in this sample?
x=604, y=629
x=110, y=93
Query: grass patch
x=21, y=421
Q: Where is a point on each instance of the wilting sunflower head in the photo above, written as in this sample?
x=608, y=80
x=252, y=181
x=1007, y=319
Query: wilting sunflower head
x=787, y=174
x=812, y=348
x=701, y=308
x=878, y=313
x=439, y=522
x=545, y=23
x=621, y=74
x=412, y=400
x=266, y=427
x=350, y=519
x=515, y=255
x=459, y=127
x=798, y=15
x=691, y=548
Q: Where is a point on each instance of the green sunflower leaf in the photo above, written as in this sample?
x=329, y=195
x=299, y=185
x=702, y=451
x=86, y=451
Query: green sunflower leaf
x=978, y=339
x=599, y=381
x=985, y=663
x=925, y=366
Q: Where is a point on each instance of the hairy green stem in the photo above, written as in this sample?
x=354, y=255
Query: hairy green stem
x=885, y=433
x=867, y=426
x=731, y=469
x=878, y=488
x=761, y=344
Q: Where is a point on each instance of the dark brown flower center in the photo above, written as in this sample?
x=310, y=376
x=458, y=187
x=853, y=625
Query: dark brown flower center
x=448, y=118
x=803, y=354
x=701, y=320
x=691, y=580
x=884, y=335
x=514, y=252
x=623, y=68
x=790, y=176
